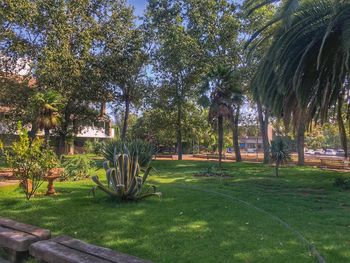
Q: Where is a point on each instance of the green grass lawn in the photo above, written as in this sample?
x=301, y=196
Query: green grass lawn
x=250, y=217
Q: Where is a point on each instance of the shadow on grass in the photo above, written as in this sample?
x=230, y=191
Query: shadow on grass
x=191, y=226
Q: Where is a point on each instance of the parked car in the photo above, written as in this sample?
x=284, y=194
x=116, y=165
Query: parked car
x=251, y=150
x=340, y=152
x=319, y=151
x=310, y=152
x=330, y=152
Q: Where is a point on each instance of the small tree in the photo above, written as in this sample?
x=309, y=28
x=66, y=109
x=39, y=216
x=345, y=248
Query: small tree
x=279, y=153
x=31, y=162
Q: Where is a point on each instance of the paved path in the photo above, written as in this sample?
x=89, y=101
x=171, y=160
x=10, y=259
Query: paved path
x=8, y=183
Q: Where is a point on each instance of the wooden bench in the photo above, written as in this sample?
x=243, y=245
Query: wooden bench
x=4, y=261
x=163, y=156
x=212, y=156
x=215, y=156
x=69, y=250
x=335, y=164
x=200, y=156
x=16, y=238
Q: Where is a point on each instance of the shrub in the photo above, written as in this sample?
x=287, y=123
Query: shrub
x=76, y=168
x=124, y=181
x=213, y=171
x=95, y=147
x=143, y=150
x=279, y=152
x=88, y=145
x=342, y=182
x=30, y=161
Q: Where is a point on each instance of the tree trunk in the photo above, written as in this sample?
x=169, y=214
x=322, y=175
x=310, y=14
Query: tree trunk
x=179, y=133
x=235, y=135
x=126, y=117
x=62, y=144
x=220, y=136
x=264, y=124
x=33, y=132
x=301, y=139
x=47, y=137
x=71, y=146
x=63, y=132
x=342, y=131
x=103, y=109
x=277, y=167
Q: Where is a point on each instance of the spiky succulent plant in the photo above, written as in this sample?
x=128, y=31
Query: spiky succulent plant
x=124, y=179
x=143, y=150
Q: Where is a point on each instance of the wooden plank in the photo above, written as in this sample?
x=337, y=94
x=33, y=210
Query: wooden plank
x=16, y=256
x=4, y=261
x=52, y=252
x=42, y=234
x=68, y=250
x=16, y=240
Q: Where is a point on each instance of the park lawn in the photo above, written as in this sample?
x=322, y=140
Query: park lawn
x=249, y=217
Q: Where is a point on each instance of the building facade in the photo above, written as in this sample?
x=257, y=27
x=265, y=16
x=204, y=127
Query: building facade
x=255, y=143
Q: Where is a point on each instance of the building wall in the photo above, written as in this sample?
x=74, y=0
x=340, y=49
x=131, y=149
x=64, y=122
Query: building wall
x=7, y=136
x=253, y=142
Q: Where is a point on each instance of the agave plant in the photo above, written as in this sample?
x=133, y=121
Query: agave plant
x=124, y=179
x=143, y=150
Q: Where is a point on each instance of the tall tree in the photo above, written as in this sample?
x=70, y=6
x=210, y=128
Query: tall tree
x=252, y=22
x=304, y=71
x=124, y=63
x=341, y=125
x=176, y=57
x=18, y=47
x=63, y=41
x=224, y=101
x=236, y=108
x=215, y=24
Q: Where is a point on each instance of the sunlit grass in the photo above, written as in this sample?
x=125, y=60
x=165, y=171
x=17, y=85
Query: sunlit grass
x=203, y=219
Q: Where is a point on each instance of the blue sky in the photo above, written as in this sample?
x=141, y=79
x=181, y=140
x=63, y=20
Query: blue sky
x=139, y=5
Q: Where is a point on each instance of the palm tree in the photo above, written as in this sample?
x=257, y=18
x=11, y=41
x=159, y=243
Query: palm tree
x=341, y=125
x=307, y=65
x=46, y=107
x=224, y=98
x=220, y=108
x=279, y=153
x=286, y=9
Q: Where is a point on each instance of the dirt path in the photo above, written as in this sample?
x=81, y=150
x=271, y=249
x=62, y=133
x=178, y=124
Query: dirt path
x=8, y=183
x=7, y=178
